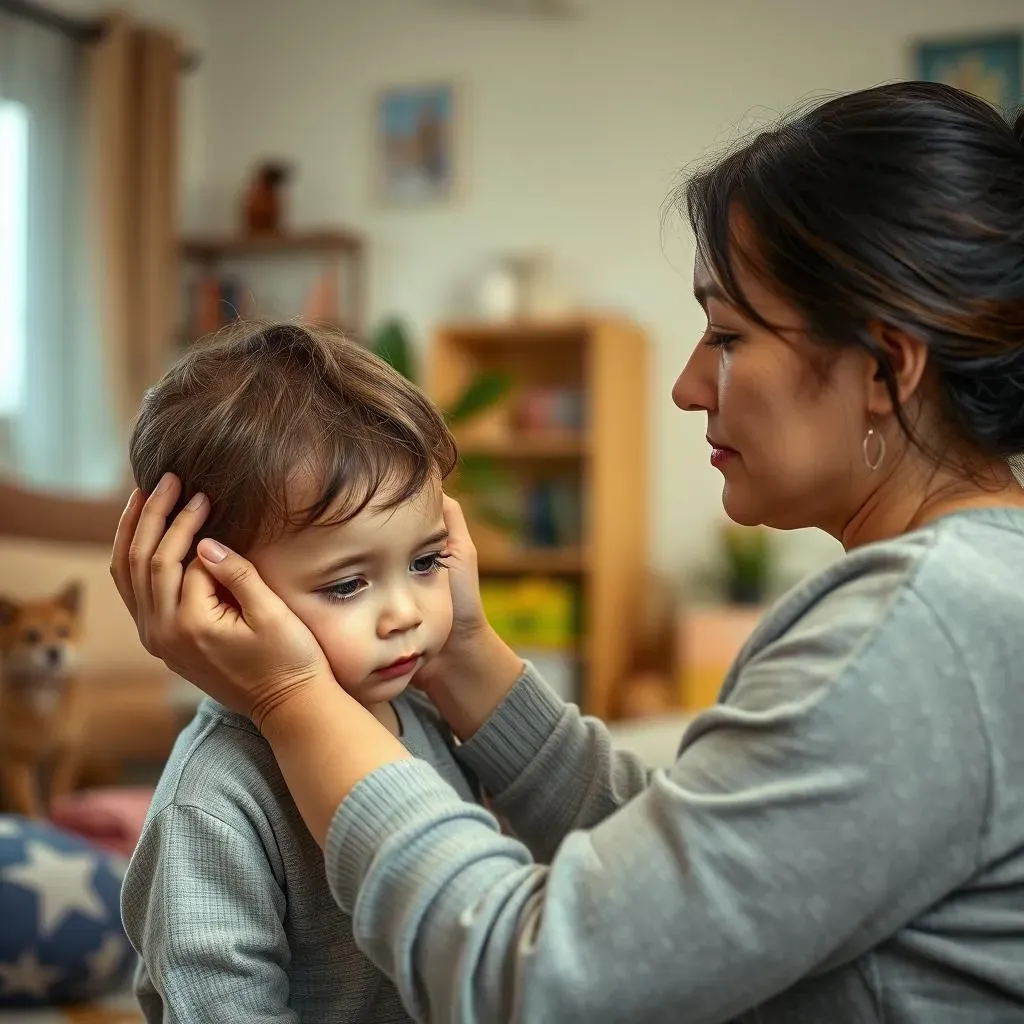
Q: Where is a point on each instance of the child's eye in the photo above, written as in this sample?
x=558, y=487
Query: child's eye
x=426, y=564
x=343, y=590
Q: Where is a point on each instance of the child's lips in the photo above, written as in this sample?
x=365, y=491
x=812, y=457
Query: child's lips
x=398, y=668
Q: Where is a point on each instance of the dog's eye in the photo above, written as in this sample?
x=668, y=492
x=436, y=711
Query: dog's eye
x=62, y=632
x=33, y=636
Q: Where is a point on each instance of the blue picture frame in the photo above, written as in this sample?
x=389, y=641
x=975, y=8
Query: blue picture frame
x=416, y=135
x=987, y=66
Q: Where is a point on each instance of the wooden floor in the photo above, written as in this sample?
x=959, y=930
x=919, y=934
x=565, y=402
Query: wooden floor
x=117, y=1010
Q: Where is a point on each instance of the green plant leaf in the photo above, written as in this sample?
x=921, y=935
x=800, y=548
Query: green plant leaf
x=488, y=514
x=481, y=473
x=484, y=487
x=391, y=343
x=484, y=391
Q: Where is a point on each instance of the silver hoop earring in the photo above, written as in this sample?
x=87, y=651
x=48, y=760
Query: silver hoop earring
x=879, y=456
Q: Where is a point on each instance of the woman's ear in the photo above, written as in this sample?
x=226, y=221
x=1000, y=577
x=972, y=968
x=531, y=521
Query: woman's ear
x=908, y=357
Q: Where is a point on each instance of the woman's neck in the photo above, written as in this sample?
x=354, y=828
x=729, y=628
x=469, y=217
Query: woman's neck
x=912, y=496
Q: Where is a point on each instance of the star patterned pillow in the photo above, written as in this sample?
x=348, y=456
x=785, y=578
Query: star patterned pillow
x=61, y=938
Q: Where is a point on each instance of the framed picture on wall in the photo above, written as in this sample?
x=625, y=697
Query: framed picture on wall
x=987, y=66
x=415, y=144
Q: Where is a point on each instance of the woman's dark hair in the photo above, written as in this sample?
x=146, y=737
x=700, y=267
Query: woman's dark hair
x=902, y=204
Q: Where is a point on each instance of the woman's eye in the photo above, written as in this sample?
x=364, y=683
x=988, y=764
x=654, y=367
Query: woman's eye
x=343, y=589
x=720, y=339
x=426, y=564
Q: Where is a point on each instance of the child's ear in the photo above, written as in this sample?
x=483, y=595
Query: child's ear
x=71, y=597
x=8, y=609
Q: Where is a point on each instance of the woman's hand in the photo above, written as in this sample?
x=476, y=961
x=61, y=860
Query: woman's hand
x=246, y=648
x=475, y=669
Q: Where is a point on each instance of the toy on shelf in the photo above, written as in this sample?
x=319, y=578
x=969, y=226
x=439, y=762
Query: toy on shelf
x=263, y=208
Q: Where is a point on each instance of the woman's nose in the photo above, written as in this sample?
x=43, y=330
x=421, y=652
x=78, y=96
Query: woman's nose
x=696, y=387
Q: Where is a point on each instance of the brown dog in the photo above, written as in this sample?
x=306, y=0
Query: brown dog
x=40, y=714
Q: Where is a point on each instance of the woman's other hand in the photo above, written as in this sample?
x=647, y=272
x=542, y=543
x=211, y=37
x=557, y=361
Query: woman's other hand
x=476, y=668
x=215, y=623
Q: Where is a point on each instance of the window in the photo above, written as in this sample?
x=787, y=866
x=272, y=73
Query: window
x=13, y=254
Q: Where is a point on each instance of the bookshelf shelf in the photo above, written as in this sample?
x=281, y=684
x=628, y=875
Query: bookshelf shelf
x=217, y=247
x=551, y=445
x=549, y=561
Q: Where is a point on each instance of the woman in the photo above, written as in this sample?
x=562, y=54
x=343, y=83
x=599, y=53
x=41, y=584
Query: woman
x=842, y=838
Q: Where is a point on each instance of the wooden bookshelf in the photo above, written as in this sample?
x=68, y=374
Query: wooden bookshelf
x=605, y=455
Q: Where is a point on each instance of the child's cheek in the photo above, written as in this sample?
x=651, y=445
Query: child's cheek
x=349, y=655
x=346, y=640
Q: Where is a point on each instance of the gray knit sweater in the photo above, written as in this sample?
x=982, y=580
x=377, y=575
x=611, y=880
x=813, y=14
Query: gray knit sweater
x=841, y=840
x=226, y=900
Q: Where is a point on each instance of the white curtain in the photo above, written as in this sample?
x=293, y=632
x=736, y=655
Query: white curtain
x=58, y=428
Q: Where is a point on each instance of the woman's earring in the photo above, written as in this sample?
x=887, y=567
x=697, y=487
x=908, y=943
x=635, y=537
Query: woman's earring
x=873, y=440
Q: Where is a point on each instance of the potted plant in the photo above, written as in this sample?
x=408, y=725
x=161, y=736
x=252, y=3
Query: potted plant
x=748, y=563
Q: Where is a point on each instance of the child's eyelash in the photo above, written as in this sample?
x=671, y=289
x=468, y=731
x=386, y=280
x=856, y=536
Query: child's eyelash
x=436, y=559
x=338, y=594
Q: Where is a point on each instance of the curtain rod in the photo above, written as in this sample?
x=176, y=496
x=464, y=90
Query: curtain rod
x=81, y=30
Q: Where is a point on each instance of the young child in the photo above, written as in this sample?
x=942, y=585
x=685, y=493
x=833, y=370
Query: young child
x=324, y=466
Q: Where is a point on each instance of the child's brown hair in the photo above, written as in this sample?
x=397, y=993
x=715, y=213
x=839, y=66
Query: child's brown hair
x=247, y=414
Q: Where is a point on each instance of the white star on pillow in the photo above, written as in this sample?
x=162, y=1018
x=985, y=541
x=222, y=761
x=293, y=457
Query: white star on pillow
x=62, y=883
x=27, y=976
x=9, y=827
x=104, y=961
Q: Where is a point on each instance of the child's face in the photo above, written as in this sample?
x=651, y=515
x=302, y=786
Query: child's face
x=372, y=591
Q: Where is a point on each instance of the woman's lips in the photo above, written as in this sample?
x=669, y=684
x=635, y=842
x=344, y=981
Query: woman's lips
x=720, y=454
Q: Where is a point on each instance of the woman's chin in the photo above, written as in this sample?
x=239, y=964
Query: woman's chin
x=739, y=508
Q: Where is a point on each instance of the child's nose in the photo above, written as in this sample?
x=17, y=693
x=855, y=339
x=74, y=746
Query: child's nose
x=401, y=613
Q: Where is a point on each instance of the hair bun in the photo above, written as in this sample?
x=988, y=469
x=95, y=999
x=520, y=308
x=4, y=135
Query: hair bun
x=987, y=401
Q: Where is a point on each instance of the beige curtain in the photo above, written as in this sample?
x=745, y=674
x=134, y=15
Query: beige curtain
x=132, y=122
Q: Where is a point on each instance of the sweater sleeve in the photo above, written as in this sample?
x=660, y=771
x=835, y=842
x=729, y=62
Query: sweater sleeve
x=840, y=793
x=548, y=768
x=205, y=915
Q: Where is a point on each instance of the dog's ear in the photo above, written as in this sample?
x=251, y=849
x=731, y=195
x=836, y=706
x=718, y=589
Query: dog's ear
x=8, y=609
x=71, y=597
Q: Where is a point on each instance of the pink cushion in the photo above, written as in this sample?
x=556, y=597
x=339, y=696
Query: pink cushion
x=111, y=818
